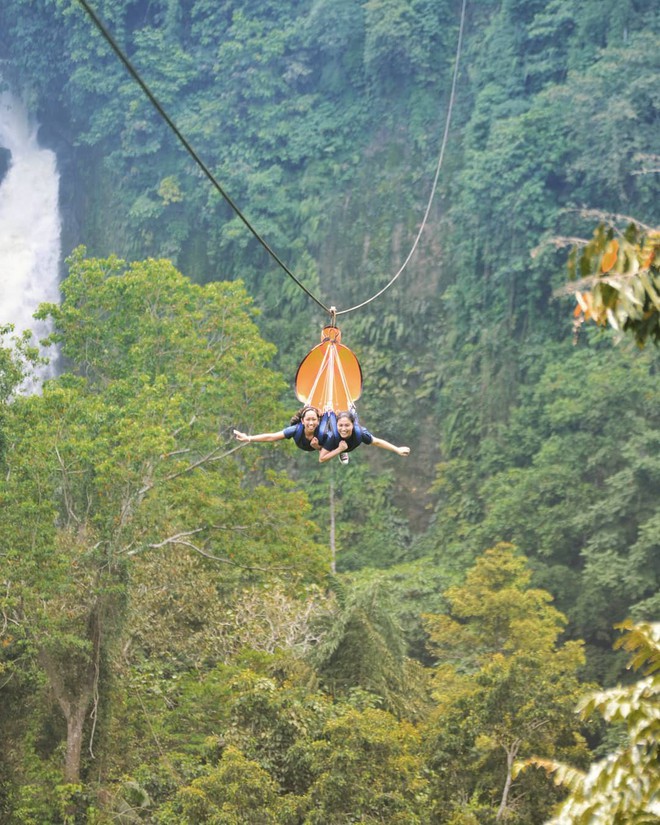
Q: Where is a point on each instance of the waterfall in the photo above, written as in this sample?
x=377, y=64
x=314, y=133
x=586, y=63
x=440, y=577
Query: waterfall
x=29, y=226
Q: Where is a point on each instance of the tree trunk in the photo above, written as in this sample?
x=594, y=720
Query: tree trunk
x=75, y=720
x=74, y=701
x=72, y=680
x=511, y=753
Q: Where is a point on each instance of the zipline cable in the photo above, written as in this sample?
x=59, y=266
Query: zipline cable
x=161, y=111
x=445, y=138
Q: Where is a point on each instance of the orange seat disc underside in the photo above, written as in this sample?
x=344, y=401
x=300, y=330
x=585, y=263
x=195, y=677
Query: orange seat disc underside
x=329, y=376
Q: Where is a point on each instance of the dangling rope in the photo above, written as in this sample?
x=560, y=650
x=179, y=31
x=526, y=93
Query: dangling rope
x=445, y=138
x=161, y=111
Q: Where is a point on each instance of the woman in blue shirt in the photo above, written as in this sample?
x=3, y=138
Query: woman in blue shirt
x=307, y=429
x=349, y=434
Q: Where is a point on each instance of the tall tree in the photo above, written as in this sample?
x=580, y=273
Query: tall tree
x=129, y=453
x=504, y=686
x=362, y=647
x=367, y=765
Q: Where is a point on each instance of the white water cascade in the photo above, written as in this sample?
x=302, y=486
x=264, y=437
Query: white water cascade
x=29, y=226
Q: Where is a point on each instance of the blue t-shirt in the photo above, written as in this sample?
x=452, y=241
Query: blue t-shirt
x=352, y=441
x=330, y=437
x=302, y=442
x=333, y=438
x=325, y=433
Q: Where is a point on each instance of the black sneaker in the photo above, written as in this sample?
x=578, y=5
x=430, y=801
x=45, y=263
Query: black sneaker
x=343, y=457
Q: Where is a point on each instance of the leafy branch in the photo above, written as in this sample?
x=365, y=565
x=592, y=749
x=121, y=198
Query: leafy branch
x=615, y=278
x=625, y=785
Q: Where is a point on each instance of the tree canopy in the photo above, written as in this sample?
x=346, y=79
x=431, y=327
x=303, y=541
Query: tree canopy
x=170, y=647
x=129, y=454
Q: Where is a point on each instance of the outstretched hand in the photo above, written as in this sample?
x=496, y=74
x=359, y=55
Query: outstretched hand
x=404, y=451
x=241, y=436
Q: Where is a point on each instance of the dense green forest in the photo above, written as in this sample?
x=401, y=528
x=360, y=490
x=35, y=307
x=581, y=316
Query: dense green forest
x=192, y=630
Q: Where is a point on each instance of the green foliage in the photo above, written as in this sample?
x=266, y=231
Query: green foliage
x=237, y=792
x=625, y=786
x=503, y=686
x=280, y=751
x=17, y=356
x=129, y=457
x=66, y=803
x=380, y=536
x=622, y=272
x=361, y=646
x=17, y=362
x=402, y=40
x=184, y=616
x=367, y=766
x=414, y=589
x=323, y=121
x=571, y=479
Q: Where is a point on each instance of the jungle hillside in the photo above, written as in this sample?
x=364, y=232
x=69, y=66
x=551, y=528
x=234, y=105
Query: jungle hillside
x=198, y=630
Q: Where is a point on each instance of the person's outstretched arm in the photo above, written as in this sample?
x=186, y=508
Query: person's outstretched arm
x=260, y=437
x=380, y=442
x=326, y=455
